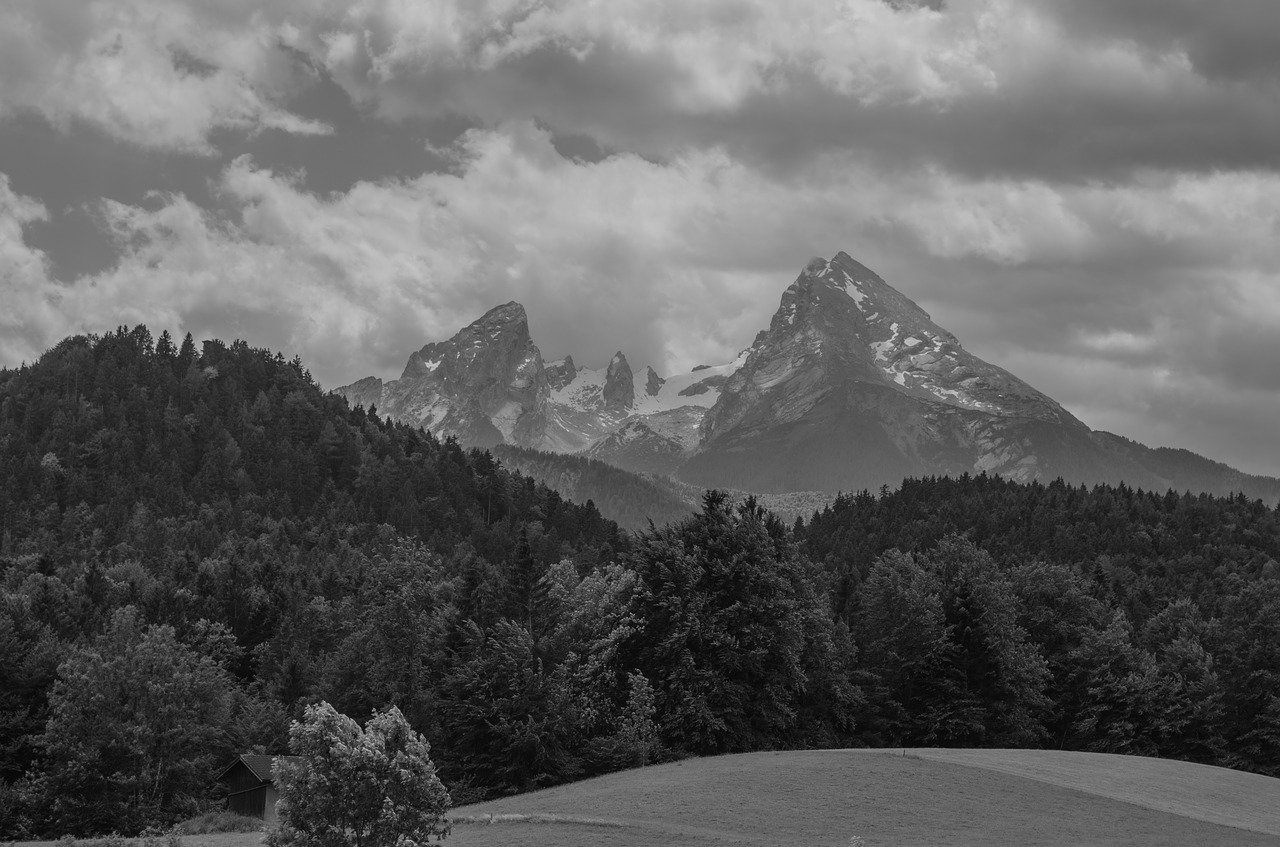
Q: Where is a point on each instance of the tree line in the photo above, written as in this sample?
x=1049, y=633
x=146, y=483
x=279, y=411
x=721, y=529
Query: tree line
x=198, y=545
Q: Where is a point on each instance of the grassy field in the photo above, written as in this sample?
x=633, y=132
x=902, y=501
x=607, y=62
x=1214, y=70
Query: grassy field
x=219, y=839
x=1202, y=792
x=911, y=798
x=925, y=798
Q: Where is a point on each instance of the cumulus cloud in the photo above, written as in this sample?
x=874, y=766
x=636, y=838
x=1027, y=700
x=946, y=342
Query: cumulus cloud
x=30, y=320
x=158, y=74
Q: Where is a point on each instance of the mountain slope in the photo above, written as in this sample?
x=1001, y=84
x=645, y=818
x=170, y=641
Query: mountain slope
x=854, y=385
x=1189, y=471
x=630, y=500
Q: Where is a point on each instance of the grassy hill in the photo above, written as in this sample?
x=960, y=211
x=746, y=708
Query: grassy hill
x=911, y=798
x=886, y=798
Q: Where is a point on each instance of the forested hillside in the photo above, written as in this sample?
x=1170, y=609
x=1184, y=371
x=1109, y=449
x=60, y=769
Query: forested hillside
x=215, y=508
x=1127, y=621
x=195, y=544
x=629, y=498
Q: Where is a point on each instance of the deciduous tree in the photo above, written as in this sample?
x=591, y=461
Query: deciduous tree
x=353, y=787
x=136, y=725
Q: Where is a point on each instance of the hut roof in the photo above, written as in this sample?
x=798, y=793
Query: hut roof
x=258, y=765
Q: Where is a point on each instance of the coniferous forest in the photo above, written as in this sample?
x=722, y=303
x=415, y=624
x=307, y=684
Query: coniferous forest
x=196, y=543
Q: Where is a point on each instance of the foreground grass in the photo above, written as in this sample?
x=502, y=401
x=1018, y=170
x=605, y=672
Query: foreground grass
x=899, y=798
x=218, y=839
x=920, y=799
x=218, y=822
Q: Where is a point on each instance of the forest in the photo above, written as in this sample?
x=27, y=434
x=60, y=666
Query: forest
x=198, y=543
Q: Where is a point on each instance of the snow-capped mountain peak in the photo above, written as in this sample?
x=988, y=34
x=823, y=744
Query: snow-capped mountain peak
x=840, y=312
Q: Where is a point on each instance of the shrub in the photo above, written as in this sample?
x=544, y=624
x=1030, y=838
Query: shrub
x=353, y=787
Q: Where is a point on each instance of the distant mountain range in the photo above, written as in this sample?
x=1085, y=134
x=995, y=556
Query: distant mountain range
x=852, y=386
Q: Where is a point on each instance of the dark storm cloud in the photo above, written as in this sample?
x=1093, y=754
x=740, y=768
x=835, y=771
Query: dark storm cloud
x=1091, y=108
x=1234, y=40
x=1247, y=355
x=1053, y=132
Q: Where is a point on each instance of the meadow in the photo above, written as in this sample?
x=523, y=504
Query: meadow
x=902, y=798
x=919, y=797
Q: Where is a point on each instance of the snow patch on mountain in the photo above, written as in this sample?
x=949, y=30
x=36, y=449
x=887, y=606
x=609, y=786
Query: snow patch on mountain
x=584, y=392
x=884, y=350
x=851, y=288
x=699, y=388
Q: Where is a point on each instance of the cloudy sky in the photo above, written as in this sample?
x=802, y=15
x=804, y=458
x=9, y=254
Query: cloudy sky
x=1086, y=192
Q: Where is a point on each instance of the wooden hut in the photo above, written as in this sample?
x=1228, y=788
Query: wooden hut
x=251, y=790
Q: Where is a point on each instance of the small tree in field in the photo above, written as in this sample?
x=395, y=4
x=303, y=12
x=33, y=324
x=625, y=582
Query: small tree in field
x=375, y=787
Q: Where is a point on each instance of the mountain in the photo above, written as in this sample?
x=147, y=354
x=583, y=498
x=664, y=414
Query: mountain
x=854, y=384
x=851, y=386
x=489, y=385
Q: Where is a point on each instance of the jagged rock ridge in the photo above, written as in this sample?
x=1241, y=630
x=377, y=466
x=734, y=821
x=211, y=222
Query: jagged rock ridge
x=619, y=391
x=486, y=385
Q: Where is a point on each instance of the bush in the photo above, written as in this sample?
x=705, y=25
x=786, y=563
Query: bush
x=353, y=787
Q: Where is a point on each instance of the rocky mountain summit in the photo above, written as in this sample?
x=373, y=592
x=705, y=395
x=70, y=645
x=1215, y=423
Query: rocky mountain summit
x=853, y=383
x=487, y=385
x=852, y=386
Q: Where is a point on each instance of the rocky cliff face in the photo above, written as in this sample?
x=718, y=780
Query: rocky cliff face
x=561, y=373
x=619, y=391
x=652, y=383
x=486, y=385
